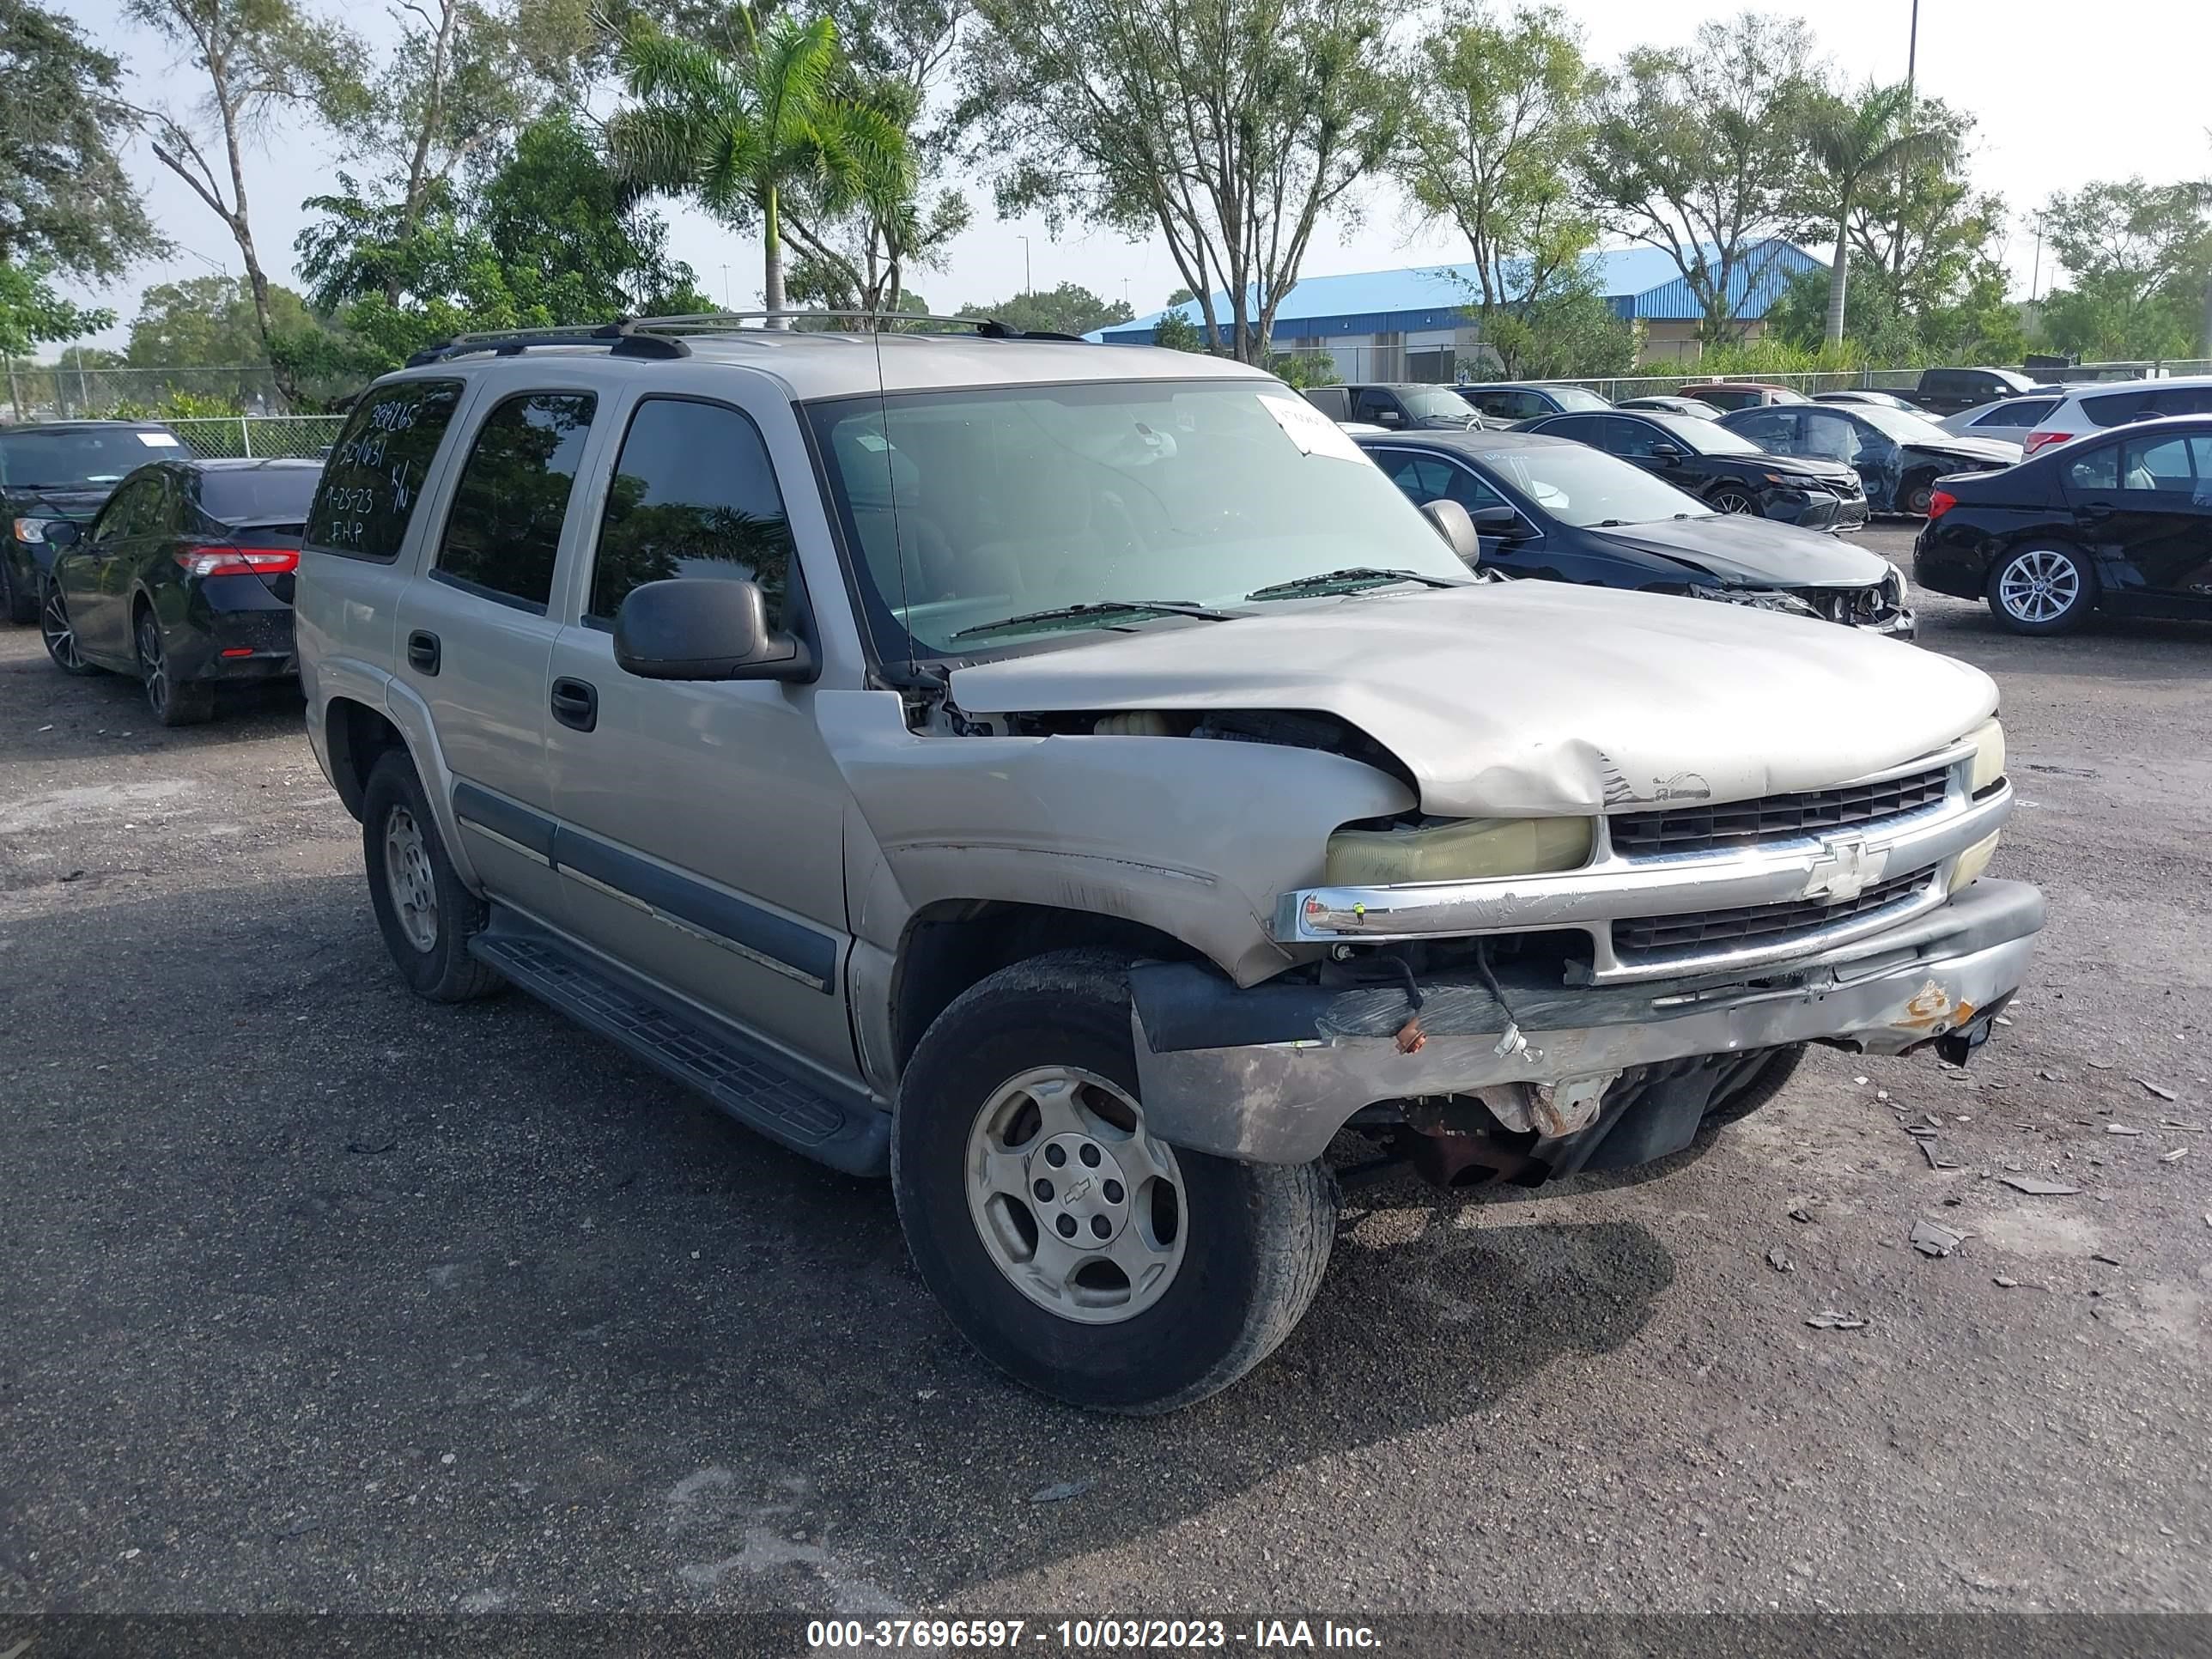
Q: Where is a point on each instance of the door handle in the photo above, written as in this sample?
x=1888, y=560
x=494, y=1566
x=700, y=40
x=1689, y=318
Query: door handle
x=2094, y=511
x=423, y=652
x=575, y=703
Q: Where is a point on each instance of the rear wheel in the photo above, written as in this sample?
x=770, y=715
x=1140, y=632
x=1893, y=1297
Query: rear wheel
x=426, y=914
x=1077, y=1252
x=59, y=633
x=174, y=703
x=1917, y=497
x=2042, y=590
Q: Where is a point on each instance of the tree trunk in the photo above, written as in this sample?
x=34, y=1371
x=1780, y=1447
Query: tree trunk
x=1839, y=275
x=772, y=260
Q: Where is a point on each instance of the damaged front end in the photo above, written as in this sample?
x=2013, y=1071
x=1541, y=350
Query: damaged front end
x=1590, y=1010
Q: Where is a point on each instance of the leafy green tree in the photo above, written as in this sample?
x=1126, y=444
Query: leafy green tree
x=1071, y=309
x=260, y=61
x=1178, y=333
x=1229, y=127
x=1565, y=330
x=1696, y=151
x=1848, y=145
x=207, y=322
x=66, y=202
x=2138, y=260
x=742, y=132
x=1500, y=111
x=33, y=313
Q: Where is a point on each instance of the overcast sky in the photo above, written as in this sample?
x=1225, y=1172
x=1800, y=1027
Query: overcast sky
x=2133, y=101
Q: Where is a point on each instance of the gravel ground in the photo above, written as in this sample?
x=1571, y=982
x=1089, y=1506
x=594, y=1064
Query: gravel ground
x=318, y=1296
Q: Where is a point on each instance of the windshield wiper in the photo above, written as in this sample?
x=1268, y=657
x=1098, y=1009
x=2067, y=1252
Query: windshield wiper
x=1357, y=575
x=1098, y=608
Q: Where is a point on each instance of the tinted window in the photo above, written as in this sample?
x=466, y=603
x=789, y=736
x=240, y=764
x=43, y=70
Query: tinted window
x=79, y=455
x=375, y=475
x=694, y=494
x=1634, y=438
x=1425, y=478
x=504, y=531
x=2181, y=400
x=260, y=495
x=1770, y=429
x=2100, y=468
x=1830, y=436
x=1582, y=429
x=2117, y=408
x=1720, y=398
x=2158, y=464
x=2025, y=411
x=136, y=509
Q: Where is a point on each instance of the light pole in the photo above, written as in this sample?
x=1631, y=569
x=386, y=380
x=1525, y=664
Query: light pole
x=1026, y=284
x=727, y=305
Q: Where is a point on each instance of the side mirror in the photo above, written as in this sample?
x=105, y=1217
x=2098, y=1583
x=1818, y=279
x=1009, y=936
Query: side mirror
x=700, y=627
x=1668, y=452
x=1453, y=522
x=1387, y=418
x=62, y=532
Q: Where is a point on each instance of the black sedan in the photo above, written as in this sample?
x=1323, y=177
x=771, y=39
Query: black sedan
x=184, y=581
x=55, y=473
x=1725, y=471
x=1899, y=456
x=1550, y=508
x=2121, y=522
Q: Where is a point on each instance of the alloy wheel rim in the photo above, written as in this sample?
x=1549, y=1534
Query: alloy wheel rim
x=409, y=879
x=1074, y=1201
x=2040, y=587
x=154, y=661
x=1729, y=501
x=61, y=637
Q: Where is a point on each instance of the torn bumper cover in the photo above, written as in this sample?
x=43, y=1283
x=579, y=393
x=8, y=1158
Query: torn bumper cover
x=1270, y=1074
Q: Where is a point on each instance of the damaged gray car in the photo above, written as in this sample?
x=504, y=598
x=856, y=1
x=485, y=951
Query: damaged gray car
x=1075, y=783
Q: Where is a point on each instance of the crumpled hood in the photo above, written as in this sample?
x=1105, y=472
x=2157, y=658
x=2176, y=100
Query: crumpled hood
x=1539, y=697
x=1745, y=550
x=1999, y=450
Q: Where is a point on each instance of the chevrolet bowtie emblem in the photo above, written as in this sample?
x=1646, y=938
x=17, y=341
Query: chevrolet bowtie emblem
x=1846, y=867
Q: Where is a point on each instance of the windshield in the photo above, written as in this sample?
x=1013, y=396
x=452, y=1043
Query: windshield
x=1586, y=487
x=1904, y=427
x=966, y=507
x=80, y=456
x=1708, y=438
x=1429, y=400
x=1574, y=396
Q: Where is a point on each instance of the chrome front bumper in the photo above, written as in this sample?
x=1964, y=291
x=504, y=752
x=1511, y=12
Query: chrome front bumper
x=1835, y=865
x=1271, y=1074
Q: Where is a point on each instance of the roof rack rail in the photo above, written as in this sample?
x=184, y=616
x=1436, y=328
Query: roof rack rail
x=621, y=334
x=988, y=328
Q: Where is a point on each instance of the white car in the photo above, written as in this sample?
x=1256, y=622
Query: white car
x=2009, y=418
x=2092, y=407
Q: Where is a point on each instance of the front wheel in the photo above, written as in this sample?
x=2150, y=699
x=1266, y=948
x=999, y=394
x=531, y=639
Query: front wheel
x=1077, y=1252
x=2042, y=590
x=1734, y=500
x=58, y=631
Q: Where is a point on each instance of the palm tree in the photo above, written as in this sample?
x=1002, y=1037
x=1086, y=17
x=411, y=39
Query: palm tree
x=1850, y=143
x=743, y=133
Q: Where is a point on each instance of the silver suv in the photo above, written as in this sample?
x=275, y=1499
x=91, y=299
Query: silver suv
x=1073, y=782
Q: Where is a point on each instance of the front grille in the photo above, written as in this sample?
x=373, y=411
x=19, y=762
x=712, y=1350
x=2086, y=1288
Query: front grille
x=1774, y=817
x=1756, y=921
x=1847, y=489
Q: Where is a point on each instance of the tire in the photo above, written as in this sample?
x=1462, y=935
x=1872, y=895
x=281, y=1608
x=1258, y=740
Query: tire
x=174, y=702
x=59, y=633
x=429, y=944
x=1249, y=1242
x=1733, y=501
x=17, y=603
x=1768, y=1081
x=2042, y=589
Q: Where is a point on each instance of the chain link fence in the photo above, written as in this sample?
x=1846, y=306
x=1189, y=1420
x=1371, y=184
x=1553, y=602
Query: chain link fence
x=259, y=437
x=64, y=392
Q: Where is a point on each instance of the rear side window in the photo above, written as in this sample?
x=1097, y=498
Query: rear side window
x=2118, y=407
x=694, y=494
x=2098, y=469
x=1773, y=430
x=504, y=531
x=2026, y=411
x=375, y=475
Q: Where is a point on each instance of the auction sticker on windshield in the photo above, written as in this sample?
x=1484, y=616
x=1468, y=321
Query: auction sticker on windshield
x=1313, y=432
x=158, y=439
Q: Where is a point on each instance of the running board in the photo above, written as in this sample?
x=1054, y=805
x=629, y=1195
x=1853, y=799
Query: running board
x=744, y=1078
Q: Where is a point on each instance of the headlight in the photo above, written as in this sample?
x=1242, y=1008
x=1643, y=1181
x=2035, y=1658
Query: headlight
x=30, y=532
x=1988, y=739
x=1893, y=586
x=1788, y=604
x=1458, y=849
